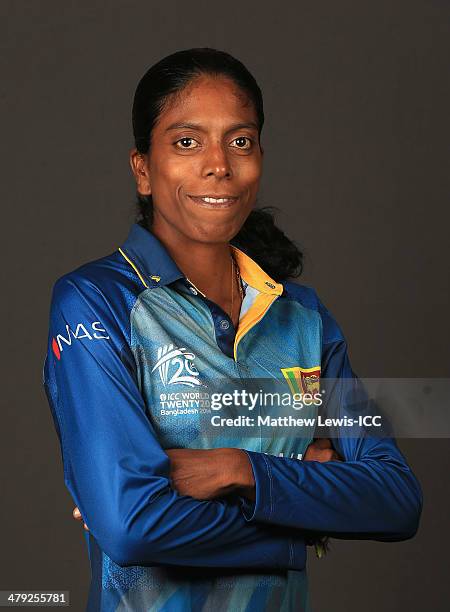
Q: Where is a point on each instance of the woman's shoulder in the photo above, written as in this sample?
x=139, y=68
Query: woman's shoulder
x=107, y=278
x=97, y=296
x=308, y=298
x=104, y=271
x=304, y=294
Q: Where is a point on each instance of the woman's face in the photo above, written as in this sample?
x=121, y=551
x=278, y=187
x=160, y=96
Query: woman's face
x=204, y=145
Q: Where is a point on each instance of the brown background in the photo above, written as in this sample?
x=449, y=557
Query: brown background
x=357, y=105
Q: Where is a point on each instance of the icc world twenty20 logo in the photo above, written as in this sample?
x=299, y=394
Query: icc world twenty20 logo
x=175, y=366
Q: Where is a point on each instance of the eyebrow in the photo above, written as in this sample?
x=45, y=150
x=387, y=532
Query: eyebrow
x=197, y=126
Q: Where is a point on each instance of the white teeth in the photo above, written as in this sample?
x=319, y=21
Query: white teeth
x=216, y=200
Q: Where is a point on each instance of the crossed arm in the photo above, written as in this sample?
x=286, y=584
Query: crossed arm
x=207, y=474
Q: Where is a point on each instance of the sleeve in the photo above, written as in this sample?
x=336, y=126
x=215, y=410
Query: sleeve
x=114, y=466
x=373, y=494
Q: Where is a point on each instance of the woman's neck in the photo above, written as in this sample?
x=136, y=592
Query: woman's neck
x=208, y=266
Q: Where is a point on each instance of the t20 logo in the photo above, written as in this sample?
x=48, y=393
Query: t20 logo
x=180, y=358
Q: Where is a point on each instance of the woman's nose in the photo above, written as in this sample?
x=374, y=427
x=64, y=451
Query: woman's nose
x=217, y=163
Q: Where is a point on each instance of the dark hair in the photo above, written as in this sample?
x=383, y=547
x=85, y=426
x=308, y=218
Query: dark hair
x=259, y=237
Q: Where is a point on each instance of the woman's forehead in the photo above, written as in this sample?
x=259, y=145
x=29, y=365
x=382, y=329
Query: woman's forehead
x=209, y=98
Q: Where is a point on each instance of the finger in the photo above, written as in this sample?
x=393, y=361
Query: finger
x=322, y=443
x=76, y=513
x=85, y=527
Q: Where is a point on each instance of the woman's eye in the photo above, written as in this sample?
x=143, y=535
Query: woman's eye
x=185, y=143
x=242, y=142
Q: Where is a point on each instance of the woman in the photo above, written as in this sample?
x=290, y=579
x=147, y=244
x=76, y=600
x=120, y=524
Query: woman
x=198, y=296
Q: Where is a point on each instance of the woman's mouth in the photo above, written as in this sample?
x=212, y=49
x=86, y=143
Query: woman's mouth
x=214, y=201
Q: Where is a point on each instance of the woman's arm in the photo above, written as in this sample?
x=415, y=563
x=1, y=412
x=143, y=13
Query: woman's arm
x=114, y=466
x=372, y=494
x=211, y=473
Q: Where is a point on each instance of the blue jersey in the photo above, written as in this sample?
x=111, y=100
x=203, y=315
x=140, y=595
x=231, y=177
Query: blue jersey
x=133, y=348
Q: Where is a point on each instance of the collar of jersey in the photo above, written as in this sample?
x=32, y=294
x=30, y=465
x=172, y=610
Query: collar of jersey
x=154, y=266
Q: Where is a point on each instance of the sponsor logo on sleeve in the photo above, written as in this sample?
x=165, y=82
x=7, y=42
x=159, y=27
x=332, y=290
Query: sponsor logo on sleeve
x=92, y=331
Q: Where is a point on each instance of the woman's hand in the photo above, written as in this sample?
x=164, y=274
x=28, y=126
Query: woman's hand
x=77, y=515
x=321, y=450
x=210, y=473
x=206, y=474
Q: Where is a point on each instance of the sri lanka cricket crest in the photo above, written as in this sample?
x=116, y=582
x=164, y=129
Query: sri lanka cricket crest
x=302, y=380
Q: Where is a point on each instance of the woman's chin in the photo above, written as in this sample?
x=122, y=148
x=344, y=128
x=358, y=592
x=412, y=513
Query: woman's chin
x=214, y=233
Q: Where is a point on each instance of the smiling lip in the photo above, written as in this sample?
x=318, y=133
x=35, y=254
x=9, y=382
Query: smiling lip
x=214, y=201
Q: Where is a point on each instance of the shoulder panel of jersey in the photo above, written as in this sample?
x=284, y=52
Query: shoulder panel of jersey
x=110, y=283
x=308, y=298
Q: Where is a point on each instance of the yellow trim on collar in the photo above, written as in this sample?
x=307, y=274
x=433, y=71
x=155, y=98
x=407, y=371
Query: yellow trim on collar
x=254, y=314
x=134, y=267
x=254, y=275
x=268, y=289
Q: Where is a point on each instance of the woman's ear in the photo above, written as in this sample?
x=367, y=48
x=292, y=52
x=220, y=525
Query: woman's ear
x=139, y=167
